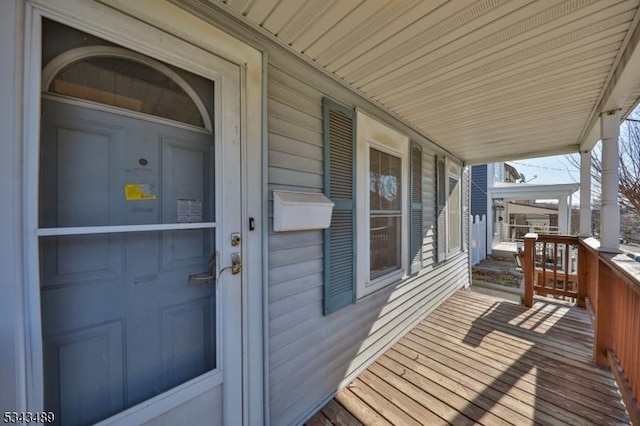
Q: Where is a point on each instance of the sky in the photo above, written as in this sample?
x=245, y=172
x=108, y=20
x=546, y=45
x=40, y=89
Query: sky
x=550, y=170
x=547, y=170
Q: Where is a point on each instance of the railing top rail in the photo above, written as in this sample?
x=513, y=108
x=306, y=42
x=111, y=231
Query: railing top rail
x=549, y=238
x=553, y=238
x=625, y=268
x=590, y=243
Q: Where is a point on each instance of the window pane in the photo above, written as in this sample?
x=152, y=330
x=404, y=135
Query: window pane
x=127, y=84
x=454, y=214
x=384, y=245
x=384, y=181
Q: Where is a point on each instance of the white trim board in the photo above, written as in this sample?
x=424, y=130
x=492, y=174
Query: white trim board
x=525, y=191
x=84, y=230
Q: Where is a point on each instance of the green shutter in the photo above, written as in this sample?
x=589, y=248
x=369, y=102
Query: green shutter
x=441, y=202
x=415, y=231
x=339, y=130
x=465, y=215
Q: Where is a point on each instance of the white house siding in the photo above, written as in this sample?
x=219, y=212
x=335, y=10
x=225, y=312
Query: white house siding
x=311, y=355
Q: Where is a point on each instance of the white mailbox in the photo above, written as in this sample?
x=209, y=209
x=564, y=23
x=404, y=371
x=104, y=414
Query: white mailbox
x=297, y=211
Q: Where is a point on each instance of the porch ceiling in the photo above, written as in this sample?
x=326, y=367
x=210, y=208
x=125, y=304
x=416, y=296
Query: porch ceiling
x=487, y=80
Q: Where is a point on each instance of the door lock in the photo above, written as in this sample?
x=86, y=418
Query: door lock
x=235, y=239
x=236, y=263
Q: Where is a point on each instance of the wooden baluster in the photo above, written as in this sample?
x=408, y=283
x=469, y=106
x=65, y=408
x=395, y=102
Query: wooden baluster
x=605, y=314
x=544, y=266
x=528, y=266
x=583, y=276
x=618, y=326
x=555, y=265
x=565, y=286
x=634, y=334
x=624, y=322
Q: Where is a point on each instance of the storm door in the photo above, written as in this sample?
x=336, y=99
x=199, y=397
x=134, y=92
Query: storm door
x=132, y=216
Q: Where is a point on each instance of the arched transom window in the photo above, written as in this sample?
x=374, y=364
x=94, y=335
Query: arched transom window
x=122, y=79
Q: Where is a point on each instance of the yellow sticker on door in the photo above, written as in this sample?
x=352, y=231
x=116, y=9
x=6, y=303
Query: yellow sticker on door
x=138, y=191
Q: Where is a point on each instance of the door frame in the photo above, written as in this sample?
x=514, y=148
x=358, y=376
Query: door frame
x=136, y=27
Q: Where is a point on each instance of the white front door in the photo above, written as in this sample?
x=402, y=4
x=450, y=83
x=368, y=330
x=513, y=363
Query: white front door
x=139, y=231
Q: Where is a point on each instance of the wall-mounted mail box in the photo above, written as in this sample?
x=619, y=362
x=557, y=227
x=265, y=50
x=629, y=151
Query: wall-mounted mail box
x=297, y=211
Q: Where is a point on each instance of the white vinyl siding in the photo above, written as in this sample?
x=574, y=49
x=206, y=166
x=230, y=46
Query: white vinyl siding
x=312, y=355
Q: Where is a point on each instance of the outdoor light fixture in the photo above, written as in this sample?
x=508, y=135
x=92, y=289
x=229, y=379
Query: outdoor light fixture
x=498, y=208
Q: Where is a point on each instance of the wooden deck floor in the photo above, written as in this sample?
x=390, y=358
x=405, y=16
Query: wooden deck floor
x=482, y=360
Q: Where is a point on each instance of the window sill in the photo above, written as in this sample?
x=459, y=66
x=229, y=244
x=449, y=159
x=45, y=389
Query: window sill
x=382, y=283
x=453, y=254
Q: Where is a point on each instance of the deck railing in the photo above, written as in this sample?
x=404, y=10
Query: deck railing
x=551, y=267
x=609, y=284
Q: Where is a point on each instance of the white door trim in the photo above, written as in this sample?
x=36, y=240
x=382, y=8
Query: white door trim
x=106, y=22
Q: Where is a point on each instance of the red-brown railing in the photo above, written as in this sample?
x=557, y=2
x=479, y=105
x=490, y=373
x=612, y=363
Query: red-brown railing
x=551, y=267
x=610, y=285
x=615, y=298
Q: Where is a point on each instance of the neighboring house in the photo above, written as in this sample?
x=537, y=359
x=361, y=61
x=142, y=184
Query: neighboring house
x=167, y=170
x=511, y=174
x=498, y=190
x=524, y=217
x=479, y=190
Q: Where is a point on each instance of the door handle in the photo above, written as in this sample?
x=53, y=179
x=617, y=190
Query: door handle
x=208, y=277
x=236, y=263
x=212, y=275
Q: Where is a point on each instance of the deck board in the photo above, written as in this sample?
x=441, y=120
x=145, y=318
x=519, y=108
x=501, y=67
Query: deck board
x=478, y=359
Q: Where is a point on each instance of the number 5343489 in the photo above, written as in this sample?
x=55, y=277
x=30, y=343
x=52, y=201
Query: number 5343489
x=28, y=417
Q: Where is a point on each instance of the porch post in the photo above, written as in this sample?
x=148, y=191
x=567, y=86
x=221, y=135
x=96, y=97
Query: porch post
x=610, y=211
x=570, y=214
x=585, y=193
x=563, y=219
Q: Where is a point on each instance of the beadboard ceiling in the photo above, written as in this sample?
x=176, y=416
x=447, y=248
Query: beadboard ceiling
x=486, y=79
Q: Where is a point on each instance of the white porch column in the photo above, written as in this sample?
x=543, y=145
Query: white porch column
x=610, y=211
x=585, y=193
x=563, y=216
x=569, y=214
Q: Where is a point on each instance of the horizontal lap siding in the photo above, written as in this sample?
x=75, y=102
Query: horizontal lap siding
x=311, y=355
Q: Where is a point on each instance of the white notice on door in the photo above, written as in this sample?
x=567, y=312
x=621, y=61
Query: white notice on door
x=189, y=211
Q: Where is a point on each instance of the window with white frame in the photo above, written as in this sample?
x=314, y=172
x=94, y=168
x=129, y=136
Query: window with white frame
x=373, y=174
x=449, y=208
x=385, y=212
x=454, y=207
x=382, y=226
